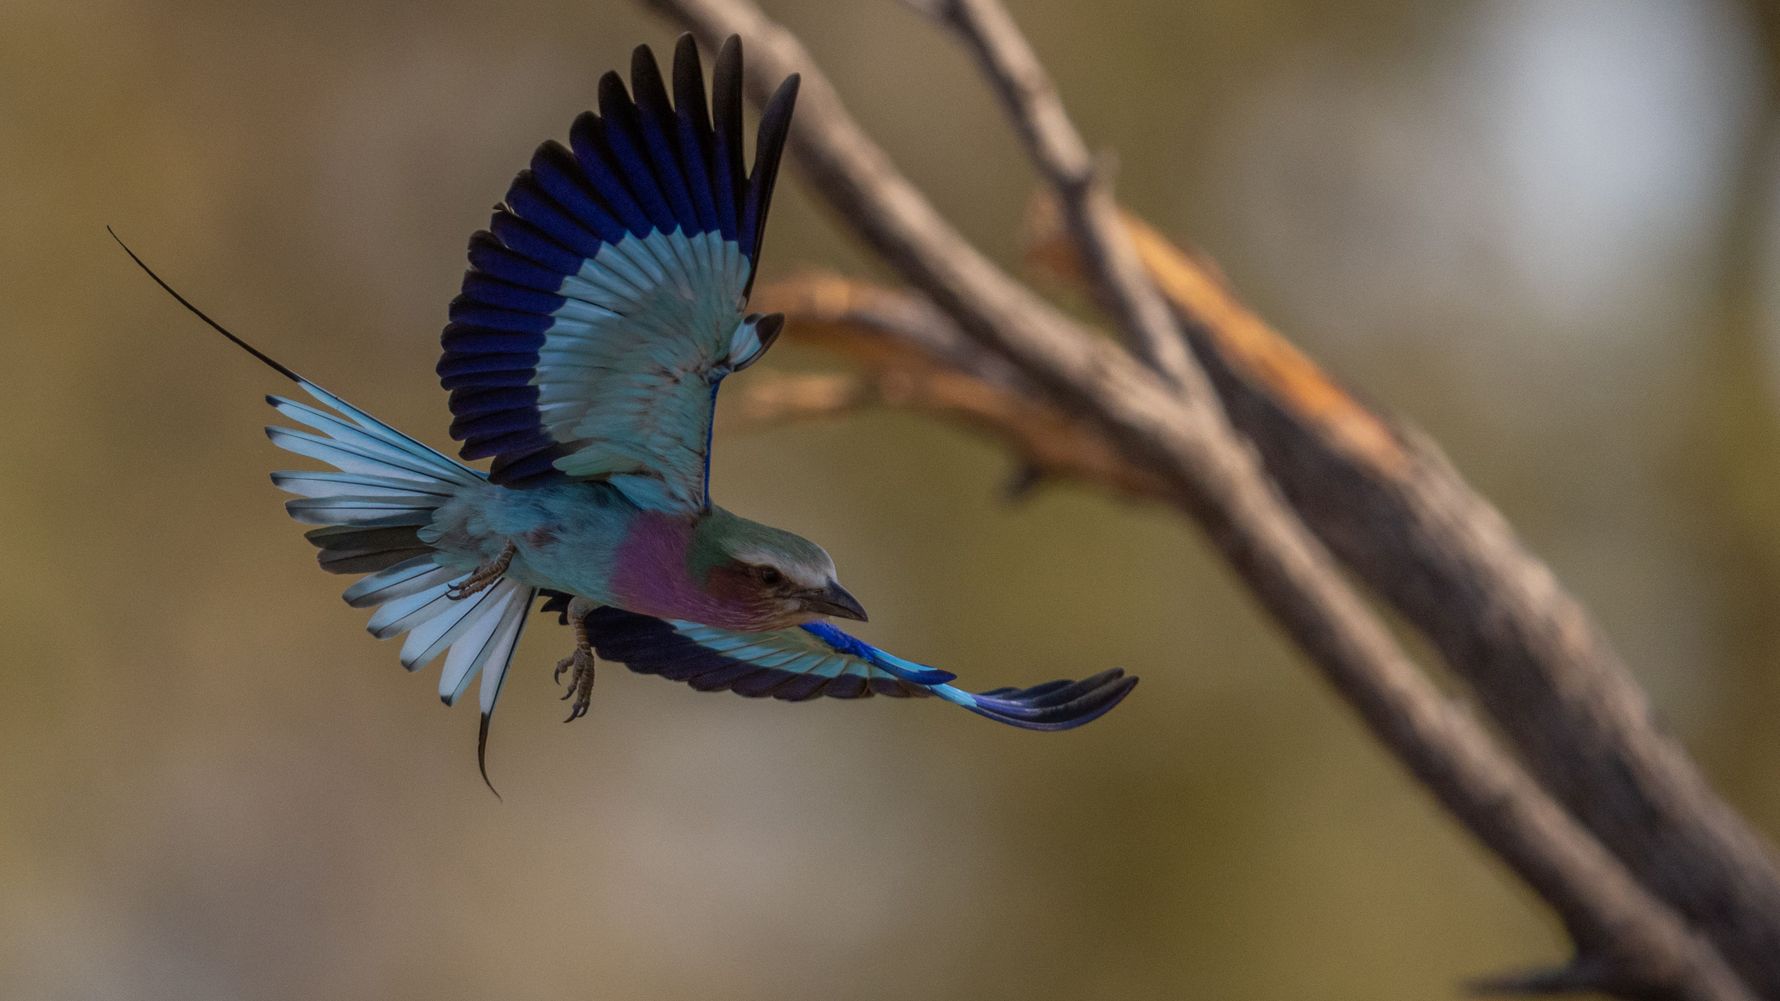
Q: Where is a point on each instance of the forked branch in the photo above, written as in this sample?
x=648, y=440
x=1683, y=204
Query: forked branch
x=1637, y=932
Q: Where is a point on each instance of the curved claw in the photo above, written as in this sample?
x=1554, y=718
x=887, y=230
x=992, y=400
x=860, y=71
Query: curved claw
x=484, y=576
x=580, y=686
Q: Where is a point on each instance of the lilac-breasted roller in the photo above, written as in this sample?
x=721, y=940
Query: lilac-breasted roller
x=602, y=308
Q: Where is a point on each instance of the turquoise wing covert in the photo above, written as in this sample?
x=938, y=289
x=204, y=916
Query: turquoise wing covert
x=604, y=303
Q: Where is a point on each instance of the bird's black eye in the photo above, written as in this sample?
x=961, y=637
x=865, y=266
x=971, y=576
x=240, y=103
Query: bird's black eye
x=770, y=576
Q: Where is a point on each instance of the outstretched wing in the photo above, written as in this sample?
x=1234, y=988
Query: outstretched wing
x=603, y=304
x=817, y=659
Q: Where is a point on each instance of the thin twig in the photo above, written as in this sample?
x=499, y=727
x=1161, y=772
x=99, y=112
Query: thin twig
x=1198, y=291
x=774, y=398
x=879, y=325
x=1060, y=154
x=912, y=357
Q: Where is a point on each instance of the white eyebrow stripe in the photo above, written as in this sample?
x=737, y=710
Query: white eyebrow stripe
x=801, y=573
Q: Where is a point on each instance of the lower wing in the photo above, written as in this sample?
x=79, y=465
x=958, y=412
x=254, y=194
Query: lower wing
x=803, y=662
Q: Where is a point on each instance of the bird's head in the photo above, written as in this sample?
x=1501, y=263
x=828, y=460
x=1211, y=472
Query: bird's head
x=768, y=576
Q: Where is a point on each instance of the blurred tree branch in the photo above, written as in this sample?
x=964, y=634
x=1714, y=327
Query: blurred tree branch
x=1402, y=519
x=1664, y=890
x=910, y=355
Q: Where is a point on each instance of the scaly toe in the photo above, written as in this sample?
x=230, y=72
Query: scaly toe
x=580, y=685
x=484, y=576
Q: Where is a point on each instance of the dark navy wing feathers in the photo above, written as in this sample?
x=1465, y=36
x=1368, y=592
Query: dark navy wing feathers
x=819, y=660
x=621, y=258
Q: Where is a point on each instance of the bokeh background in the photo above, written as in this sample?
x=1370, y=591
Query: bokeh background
x=1543, y=230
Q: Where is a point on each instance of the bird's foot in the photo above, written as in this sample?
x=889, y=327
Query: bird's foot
x=580, y=687
x=485, y=575
x=580, y=663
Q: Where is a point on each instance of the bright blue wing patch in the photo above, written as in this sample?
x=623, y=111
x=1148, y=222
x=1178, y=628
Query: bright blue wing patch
x=604, y=302
x=819, y=660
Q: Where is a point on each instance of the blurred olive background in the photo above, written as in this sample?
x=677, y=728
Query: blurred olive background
x=1543, y=230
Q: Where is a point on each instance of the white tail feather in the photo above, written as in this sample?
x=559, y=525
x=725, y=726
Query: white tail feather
x=367, y=511
x=398, y=581
x=489, y=640
x=387, y=479
x=376, y=440
x=308, y=483
x=433, y=637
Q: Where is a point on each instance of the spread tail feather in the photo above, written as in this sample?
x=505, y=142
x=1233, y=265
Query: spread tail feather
x=383, y=489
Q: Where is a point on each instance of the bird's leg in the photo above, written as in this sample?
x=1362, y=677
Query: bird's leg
x=484, y=575
x=580, y=662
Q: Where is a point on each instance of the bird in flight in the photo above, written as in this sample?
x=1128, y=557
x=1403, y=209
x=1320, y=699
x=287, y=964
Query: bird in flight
x=603, y=306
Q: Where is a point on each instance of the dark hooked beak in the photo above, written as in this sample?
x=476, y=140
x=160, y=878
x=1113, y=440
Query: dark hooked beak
x=834, y=600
